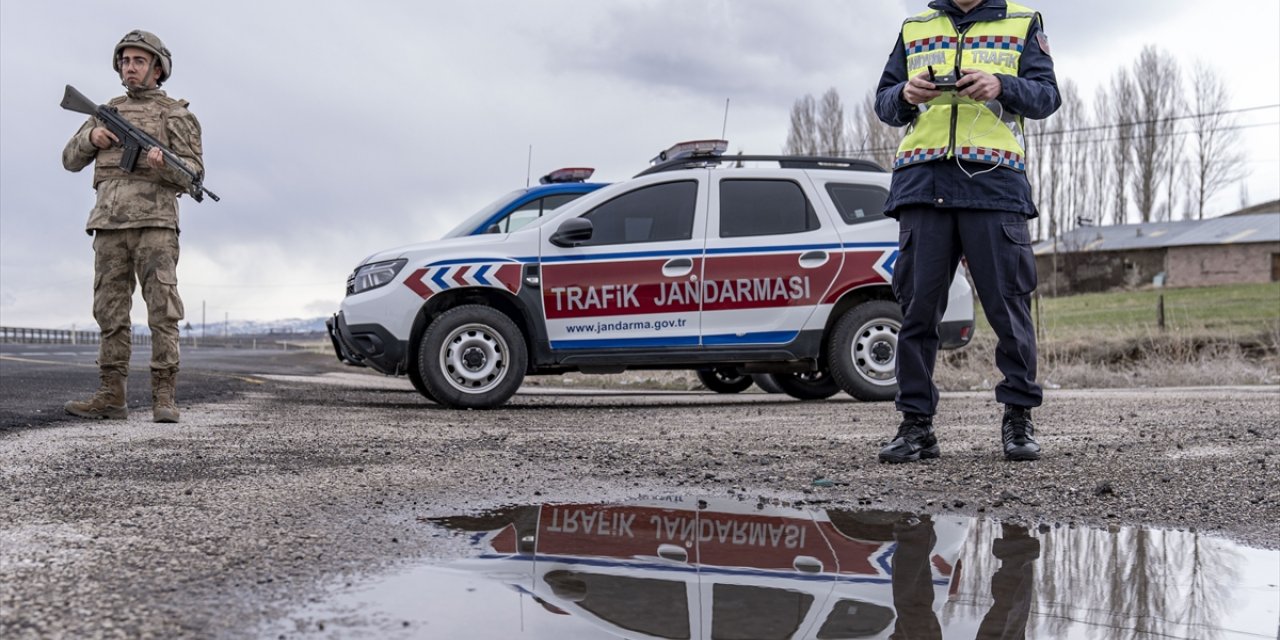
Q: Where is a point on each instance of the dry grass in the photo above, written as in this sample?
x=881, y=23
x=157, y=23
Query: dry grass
x=1138, y=359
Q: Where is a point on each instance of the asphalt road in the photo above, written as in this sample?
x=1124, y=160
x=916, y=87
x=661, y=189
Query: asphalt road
x=291, y=476
x=37, y=379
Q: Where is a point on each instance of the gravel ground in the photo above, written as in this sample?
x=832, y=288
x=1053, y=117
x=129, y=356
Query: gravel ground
x=223, y=524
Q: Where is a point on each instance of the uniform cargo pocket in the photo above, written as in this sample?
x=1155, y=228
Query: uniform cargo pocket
x=902, y=266
x=1018, y=264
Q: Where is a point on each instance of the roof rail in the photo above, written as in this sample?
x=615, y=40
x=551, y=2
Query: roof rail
x=786, y=162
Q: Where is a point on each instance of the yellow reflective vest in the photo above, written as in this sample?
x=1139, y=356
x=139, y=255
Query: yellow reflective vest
x=952, y=126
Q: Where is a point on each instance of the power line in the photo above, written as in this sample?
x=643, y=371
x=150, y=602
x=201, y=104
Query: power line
x=1118, y=125
x=1135, y=123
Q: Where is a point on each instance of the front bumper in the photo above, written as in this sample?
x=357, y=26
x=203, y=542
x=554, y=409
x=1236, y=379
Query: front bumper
x=367, y=345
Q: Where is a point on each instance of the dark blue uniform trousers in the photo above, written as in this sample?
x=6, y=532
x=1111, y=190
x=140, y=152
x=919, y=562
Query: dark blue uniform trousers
x=997, y=248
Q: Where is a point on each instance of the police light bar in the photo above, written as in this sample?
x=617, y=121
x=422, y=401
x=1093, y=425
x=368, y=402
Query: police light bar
x=692, y=149
x=568, y=174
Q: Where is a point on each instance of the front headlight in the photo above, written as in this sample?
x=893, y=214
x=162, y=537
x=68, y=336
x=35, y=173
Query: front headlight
x=374, y=275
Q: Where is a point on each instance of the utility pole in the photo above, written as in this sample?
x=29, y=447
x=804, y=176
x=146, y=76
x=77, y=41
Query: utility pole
x=202, y=319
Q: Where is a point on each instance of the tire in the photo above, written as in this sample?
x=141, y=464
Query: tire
x=724, y=380
x=816, y=385
x=862, y=351
x=472, y=357
x=416, y=378
x=766, y=382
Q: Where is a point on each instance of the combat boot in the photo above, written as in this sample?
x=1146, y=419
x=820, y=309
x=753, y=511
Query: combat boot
x=163, y=390
x=1019, y=434
x=915, y=440
x=108, y=402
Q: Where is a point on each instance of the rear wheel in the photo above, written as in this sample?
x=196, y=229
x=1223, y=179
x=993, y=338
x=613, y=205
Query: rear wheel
x=472, y=357
x=813, y=385
x=862, y=350
x=724, y=380
x=766, y=382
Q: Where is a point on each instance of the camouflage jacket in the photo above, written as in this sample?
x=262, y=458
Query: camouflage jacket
x=146, y=197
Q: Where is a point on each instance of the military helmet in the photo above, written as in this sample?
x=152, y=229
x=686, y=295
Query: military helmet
x=146, y=41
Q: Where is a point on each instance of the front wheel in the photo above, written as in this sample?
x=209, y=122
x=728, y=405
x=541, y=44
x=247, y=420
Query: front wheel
x=862, y=350
x=472, y=357
x=724, y=380
x=814, y=385
x=416, y=378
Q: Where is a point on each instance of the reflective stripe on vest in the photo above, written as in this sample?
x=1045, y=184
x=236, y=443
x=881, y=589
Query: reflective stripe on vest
x=951, y=126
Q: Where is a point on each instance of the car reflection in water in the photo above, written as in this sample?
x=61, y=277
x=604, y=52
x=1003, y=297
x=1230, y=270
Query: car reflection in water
x=673, y=568
x=735, y=569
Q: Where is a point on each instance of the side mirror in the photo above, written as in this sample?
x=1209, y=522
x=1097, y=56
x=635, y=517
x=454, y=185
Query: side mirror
x=572, y=232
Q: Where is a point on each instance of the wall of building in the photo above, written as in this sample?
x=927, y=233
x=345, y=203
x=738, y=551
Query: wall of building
x=1097, y=271
x=1220, y=264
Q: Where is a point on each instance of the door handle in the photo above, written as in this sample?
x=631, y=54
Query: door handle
x=813, y=259
x=807, y=564
x=676, y=267
x=674, y=553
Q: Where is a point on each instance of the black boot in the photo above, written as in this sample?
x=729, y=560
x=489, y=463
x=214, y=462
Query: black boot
x=1019, y=434
x=915, y=440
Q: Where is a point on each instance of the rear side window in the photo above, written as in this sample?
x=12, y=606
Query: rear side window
x=858, y=203
x=657, y=213
x=764, y=207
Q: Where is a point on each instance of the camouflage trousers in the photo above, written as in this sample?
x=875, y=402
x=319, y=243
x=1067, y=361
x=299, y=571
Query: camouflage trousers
x=123, y=258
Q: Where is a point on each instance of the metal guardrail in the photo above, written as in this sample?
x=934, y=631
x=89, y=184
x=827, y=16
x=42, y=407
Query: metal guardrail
x=27, y=335
x=279, y=340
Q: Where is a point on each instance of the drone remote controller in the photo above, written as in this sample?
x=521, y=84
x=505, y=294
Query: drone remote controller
x=944, y=82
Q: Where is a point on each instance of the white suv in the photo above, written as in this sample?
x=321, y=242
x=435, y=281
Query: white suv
x=701, y=261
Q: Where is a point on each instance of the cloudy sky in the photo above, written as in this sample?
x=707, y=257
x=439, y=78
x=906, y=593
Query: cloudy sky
x=332, y=130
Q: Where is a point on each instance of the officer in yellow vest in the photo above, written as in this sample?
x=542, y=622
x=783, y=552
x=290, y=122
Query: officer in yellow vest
x=962, y=76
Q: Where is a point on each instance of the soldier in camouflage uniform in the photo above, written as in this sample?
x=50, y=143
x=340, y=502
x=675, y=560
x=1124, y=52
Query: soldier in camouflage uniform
x=135, y=226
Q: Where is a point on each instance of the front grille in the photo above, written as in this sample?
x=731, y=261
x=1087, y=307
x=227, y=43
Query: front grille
x=351, y=283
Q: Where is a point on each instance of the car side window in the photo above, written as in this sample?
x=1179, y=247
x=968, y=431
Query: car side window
x=750, y=611
x=858, y=203
x=657, y=213
x=654, y=607
x=764, y=208
x=530, y=211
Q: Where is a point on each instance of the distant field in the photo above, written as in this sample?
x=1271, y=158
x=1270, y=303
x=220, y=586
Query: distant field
x=1245, y=310
x=1211, y=336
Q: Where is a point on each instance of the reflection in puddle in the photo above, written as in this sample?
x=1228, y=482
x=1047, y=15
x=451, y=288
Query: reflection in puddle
x=685, y=568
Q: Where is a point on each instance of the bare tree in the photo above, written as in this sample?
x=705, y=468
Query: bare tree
x=869, y=137
x=1054, y=160
x=1216, y=159
x=1072, y=161
x=1045, y=158
x=830, y=124
x=1157, y=83
x=1115, y=106
x=817, y=127
x=1038, y=170
x=801, y=138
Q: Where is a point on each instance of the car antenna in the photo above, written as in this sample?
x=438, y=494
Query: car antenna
x=725, y=125
x=528, y=167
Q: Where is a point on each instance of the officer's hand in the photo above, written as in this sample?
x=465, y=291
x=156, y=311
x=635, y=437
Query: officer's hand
x=919, y=90
x=155, y=158
x=102, y=138
x=979, y=85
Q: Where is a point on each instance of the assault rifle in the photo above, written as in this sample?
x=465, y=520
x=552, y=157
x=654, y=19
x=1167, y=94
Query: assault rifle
x=135, y=140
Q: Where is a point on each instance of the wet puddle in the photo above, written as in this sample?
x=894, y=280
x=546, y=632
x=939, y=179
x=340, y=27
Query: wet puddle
x=689, y=568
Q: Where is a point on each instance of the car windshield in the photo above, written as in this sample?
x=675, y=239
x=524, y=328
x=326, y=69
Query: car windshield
x=466, y=227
